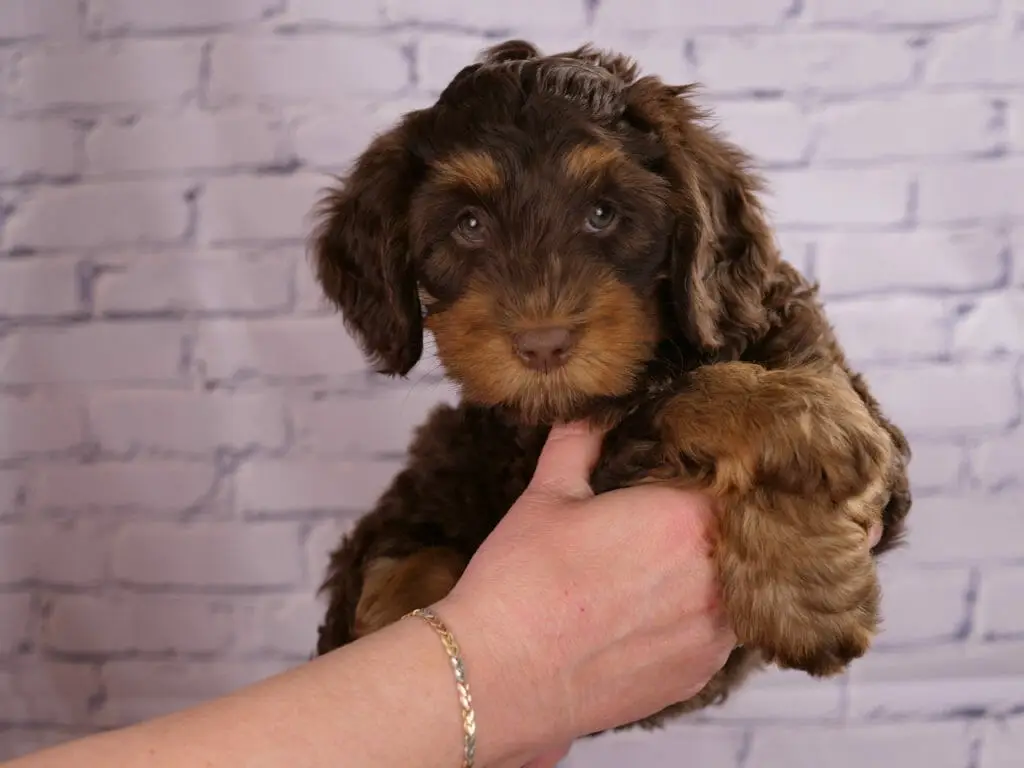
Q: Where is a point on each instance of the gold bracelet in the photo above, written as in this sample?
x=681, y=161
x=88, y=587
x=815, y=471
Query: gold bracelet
x=465, y=700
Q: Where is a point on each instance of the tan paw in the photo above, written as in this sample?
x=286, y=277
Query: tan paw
x=394, y=586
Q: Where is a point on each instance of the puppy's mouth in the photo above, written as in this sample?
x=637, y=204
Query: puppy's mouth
x=549, y=366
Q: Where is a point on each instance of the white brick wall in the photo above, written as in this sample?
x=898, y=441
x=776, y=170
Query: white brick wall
x=178, y=414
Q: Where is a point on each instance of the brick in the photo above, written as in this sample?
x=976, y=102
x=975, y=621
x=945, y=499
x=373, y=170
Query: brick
x=967, y=528
x=838, y=197
x=231, y=138
x=923, y=606
x=309, y=296
x=773, y=132
x=439, y=58
x=11, y=486
x=23, y=19
x=921, y=260
x=975, y=56
x=323, y=538
x=121, y=16
x=1017, y=254
x=137, y=623
x=291, y=348
x=911, y=12
x=39, y=424
x=57, y=694
x=141, y=689
x=165, y=486
x=282, y=487
x=31, y=149
x=260, y=208
x=706, y=745
x=331, y=12
x=56, y=555
x=929, y=125
x=936, y=466
x=987, y=189
x=85, y=215
x=864, y=327
x=827, y=62
x=937, y=745
x=323, y=70
x=18, y=742
x=999, y=601
x=210, y=554
x=161, y=71
x=996, y=462
x=796, y=248
x=207, y=281
x=39, y=288
x=353, y=426
x=186, y=422
x=92, y=354
x=699, y=14
x=16, y=628
x=280, y=625
x=973, y=397
x=657, y=53
x=1015, y=122
x=758, y=701
x=940, y=682
x=334, y=138
x=995, y=324
x=1004, y=743
x=493, y=16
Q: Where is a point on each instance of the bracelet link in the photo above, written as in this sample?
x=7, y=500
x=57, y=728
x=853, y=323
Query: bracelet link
x=451, y=646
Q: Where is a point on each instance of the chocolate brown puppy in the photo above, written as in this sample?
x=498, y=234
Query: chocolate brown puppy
x=582, y=245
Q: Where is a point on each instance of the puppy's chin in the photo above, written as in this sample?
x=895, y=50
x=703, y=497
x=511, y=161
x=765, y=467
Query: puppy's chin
x=546, y=401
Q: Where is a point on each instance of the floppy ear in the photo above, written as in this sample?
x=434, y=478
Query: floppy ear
x=723, y=251
x=360, y=250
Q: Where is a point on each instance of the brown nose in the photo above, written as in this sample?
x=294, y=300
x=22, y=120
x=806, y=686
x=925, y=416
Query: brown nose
x=544, y=349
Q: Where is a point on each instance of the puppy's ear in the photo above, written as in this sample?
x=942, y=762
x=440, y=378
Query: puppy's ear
x=510, y=50
x=723, y=251
x=360, y=250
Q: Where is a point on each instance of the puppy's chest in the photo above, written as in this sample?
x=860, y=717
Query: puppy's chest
x=631, y=451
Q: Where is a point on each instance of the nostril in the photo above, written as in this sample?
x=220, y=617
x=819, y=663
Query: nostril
x=544, y=348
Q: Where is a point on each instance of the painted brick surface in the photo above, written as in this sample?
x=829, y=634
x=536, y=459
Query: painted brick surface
x=186, y=431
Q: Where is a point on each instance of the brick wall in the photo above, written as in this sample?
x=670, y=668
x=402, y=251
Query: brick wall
x=179, y=416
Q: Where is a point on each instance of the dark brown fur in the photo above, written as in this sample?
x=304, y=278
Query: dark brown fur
x=709, y=358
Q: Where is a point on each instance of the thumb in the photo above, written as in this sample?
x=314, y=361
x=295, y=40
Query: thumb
x=567, y=459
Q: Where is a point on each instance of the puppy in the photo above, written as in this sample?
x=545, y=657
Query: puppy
x=581, y=245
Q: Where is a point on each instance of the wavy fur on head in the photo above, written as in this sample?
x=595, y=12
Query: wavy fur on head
x=581, y=244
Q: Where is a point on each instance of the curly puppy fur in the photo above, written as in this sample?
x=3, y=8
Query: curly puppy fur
x=581, y=244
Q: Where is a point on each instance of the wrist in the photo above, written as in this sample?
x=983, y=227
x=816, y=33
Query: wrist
x=511, y=696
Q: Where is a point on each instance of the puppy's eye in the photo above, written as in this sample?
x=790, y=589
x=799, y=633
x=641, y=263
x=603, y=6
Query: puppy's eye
x=601, y=217
x=470, y=228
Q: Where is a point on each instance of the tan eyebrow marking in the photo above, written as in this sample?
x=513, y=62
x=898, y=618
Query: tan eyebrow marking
x=585, y=160
x=474, y=169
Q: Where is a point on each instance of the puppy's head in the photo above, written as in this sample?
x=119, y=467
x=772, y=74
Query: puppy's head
x=553, y=221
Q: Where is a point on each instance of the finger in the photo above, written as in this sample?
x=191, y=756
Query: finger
x=875, y=535
x=567, y=459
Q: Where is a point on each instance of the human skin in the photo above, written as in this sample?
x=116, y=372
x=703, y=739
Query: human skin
x=579, y=613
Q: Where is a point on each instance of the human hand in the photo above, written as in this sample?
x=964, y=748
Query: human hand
x=599, y=610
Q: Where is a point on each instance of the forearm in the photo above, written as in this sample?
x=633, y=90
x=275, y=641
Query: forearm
x=388, y=700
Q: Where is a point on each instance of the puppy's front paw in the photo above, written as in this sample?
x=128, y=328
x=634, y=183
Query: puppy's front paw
x=394, y=586
x=800, y=468
x=801, y=431
x=799, y=583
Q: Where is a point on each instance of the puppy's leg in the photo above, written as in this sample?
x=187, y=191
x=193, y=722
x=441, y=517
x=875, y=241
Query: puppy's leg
x=801, y=469
x=394, y=586
x=464, y=470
